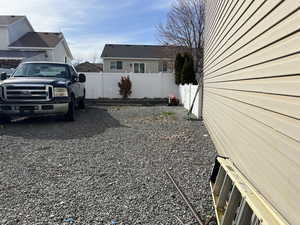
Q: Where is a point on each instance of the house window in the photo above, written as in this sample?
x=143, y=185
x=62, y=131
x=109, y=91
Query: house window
x=116, y=65
x=139, y=67
x=163, y=67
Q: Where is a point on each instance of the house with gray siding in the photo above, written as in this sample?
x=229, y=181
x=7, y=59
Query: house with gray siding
x=19, y=43
x=139, y=58
x=89, y=67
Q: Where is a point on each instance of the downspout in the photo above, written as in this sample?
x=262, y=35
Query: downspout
x=201, y=97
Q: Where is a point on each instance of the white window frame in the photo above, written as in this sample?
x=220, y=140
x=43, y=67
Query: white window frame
x=139, y=67
x=162, y=67
x=116, y=65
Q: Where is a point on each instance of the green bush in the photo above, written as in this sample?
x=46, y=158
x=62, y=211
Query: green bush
x=179, y=61
x=125, y=86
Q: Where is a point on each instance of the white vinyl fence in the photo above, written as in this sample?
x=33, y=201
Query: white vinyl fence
x=152, y=85
x=105, y=85
x=186, y=95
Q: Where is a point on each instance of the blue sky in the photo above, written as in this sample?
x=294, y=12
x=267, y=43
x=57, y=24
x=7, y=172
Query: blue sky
x=89, y=24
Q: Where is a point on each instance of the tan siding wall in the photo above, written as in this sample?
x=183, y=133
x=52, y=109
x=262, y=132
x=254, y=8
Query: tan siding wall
x=252, y=93
x=151, y=66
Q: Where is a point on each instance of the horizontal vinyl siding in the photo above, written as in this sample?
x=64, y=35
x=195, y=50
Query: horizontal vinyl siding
x=251, y=103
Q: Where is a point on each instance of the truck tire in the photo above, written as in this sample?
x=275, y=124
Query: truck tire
x=70, y=116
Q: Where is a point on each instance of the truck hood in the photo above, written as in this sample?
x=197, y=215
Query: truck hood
x=56, y=82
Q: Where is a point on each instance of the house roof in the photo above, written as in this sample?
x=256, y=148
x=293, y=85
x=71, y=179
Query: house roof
x=7, y=20
x=19, y=54
x=140, y=51
x=89, y=67
x=38, y=39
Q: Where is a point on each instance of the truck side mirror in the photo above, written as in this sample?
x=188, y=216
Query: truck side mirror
x=3, y=76
x=82, y=78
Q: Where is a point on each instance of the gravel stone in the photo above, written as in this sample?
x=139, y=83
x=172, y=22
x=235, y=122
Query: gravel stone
x=106, y=167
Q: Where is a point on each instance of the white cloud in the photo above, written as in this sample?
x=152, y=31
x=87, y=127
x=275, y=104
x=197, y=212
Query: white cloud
x=66, y=16
x=87, y=47
x=49, y=15
x=53, y=15
x=71, y=16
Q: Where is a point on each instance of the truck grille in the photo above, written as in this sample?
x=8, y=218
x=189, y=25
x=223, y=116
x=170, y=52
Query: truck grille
x=27, y=92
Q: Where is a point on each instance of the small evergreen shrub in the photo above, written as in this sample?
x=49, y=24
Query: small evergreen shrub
x=179, y=61
x=125, y=86
x=188, y=73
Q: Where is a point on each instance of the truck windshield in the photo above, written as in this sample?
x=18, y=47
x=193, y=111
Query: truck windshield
x=42, y=70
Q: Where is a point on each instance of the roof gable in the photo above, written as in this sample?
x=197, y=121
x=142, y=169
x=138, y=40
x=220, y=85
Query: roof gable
x=38, y=40
x=7, y=20
x=141, y=51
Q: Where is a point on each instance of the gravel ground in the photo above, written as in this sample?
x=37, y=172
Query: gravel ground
x=106, y=167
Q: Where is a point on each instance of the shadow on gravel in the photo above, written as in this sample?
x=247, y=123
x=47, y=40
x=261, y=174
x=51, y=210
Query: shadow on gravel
x=89, y=122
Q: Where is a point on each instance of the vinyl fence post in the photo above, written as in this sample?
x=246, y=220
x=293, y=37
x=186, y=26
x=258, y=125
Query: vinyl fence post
x=102, y=84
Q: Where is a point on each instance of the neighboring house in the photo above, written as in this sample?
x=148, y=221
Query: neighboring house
x=139, y=58
x=19, y=42
x=89, y=67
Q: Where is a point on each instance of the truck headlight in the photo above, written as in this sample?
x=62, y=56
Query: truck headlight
x=60, y=92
